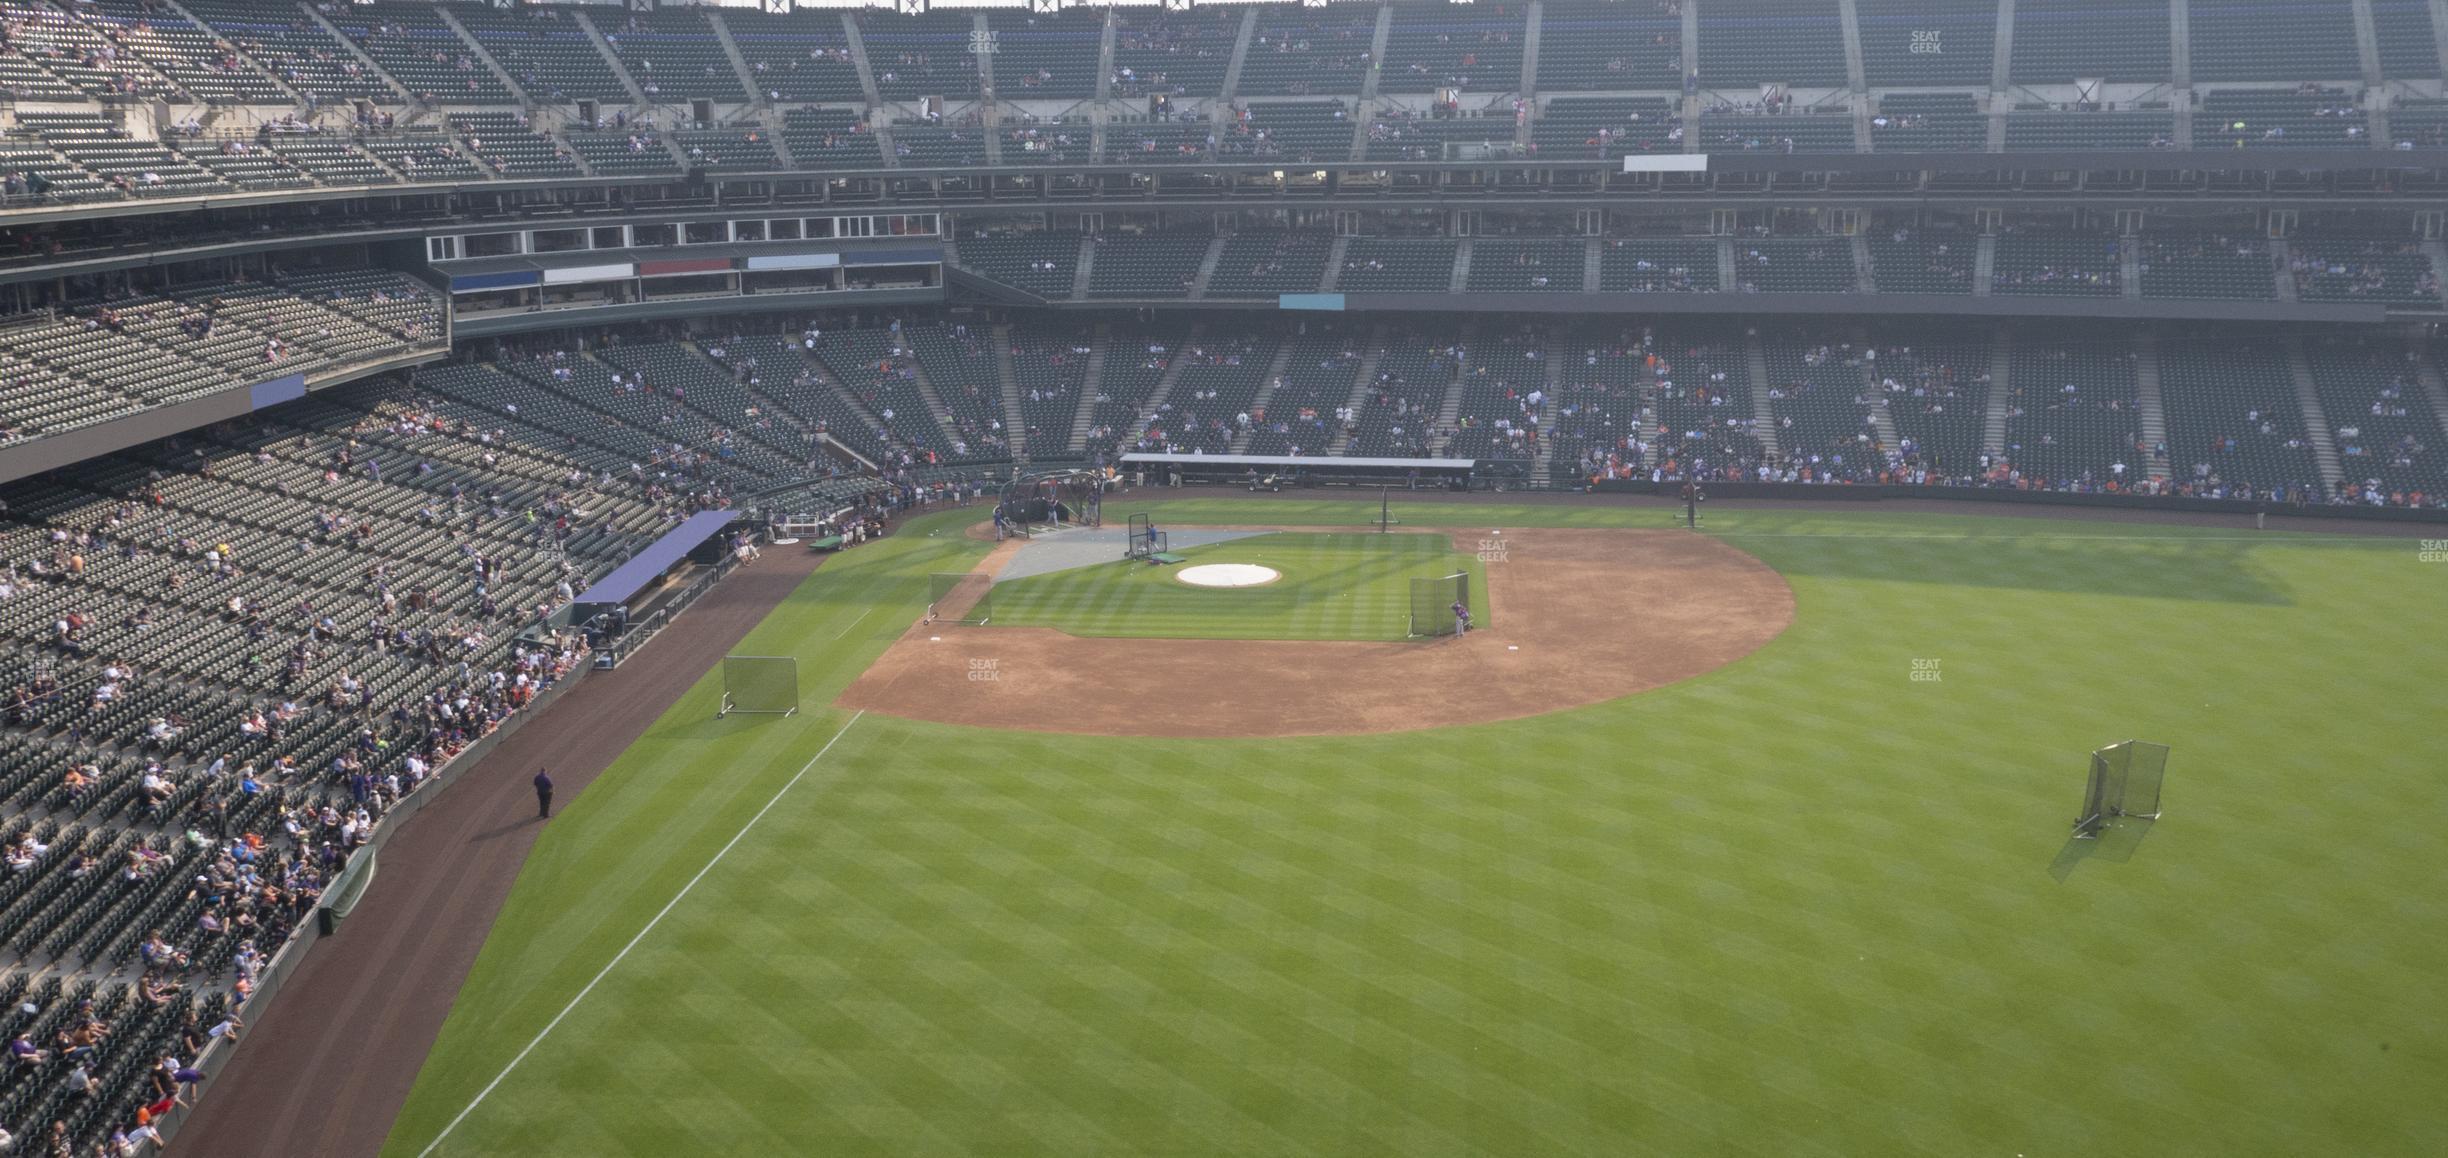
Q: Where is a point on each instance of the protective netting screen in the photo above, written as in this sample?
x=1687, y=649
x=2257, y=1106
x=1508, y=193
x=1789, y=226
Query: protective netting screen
x=2124, y=781
x=760, y=683
x=1433, y=602
x=960, y=597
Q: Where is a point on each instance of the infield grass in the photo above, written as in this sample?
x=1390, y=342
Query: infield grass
x=1803, y=905
x=1334, y=586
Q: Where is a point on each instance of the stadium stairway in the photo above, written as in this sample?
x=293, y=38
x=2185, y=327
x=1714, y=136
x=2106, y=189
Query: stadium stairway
x=1014, y=428
x=2316, y=423
x=858, y=58
x=371, y=66
x=1848, y=22
x=236, y=49
x=1080, y=272
x=934, y=402
x=1105, y=74
x=2434, y=387
x=1880, y=417
x=1461, y=267
x=1361, y=382
x=1265, y=395
x=1207, y=267
x=1086, y=419
x=480, y=55
x=1530, y=49
x=595, y=36
x=1377, y=54
x=2147, y=397
x=1449, y=411
x=2001, y=60
x=2129, y=262
x=739, y=63
x=1164, y=386
x=2284, y=270
x=1542, y=463
x=1240, y=54
x=1863, y=277
x=1727, y=277
x=2180, y=47
x=1334, y=264
x=2001, y=389
x=1765, y=428
x=1984, y=265
x=1593, y=267
x=2367, y=52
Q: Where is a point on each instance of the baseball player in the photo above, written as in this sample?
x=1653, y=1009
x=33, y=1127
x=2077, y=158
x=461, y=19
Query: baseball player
x=1461, y=614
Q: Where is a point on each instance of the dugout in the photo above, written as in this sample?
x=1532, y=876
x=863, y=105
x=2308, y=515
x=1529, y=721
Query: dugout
x=1285, y=472
x=635, y=590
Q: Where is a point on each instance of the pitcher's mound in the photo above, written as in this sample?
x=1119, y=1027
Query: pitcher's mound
x=1228, y=575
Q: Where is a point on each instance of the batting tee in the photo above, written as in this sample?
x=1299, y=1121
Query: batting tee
x=760, y=685
x=965, y=597
x=2124, y=782
x=1432, y=604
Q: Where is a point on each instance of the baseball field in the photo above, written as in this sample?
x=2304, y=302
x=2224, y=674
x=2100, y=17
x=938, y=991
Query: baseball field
x=1782, y=867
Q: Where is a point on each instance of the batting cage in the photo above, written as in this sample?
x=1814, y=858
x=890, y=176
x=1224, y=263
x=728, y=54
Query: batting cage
x=760, y=685
x=965, y=597
x=2124, y=782
x=1053, y=499
x=1433, y=602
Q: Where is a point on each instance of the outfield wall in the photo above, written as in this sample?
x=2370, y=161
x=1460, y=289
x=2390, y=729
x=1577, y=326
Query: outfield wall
x=1872, y=492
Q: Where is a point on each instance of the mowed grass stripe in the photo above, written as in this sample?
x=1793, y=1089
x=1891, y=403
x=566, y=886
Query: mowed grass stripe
x=1334, y=586
x=1801, y=905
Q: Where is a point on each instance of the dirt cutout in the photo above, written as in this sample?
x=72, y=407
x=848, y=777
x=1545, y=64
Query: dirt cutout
x=1579, y=617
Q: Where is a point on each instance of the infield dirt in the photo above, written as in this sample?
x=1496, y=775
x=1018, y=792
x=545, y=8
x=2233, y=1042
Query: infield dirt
x=1580, y=617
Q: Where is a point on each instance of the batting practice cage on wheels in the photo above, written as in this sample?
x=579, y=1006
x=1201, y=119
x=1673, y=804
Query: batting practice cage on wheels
x=1053, y=498
x=1432, y=604
x=760, y=685
x=960, y=597
x=2124, y=782
x=1146, y=542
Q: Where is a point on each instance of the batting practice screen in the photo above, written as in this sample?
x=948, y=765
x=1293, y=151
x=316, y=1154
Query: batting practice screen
x=1432, y=603
x=960, y=597
x=2125, y=781
x=760, y=684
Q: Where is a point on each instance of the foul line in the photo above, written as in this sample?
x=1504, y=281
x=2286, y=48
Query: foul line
x=855, y=623
x=549, y=1026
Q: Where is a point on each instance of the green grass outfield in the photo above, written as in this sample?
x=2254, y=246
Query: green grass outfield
x=1334, y=586
x=1803, y=905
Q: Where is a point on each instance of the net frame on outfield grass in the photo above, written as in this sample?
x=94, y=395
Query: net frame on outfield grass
x=2124, y=781
x=1432, y=603
x=962, y=597
x=760, y=685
